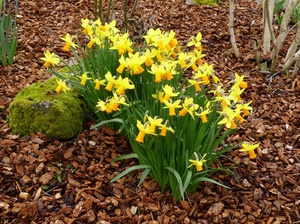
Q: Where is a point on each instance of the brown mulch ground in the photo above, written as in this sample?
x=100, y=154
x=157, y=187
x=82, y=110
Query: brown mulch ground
x=264, y=190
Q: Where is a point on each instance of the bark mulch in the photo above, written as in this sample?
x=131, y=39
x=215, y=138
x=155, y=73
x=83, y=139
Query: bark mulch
x=48, y=181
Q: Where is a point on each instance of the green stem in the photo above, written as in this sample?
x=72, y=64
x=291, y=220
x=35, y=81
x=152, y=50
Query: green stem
x=125, y=15
x=133, y=8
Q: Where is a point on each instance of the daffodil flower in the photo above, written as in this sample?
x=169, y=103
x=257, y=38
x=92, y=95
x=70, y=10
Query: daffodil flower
x=122, y=44
x=247, y=147
x=154, y=122
x=196, y=41
x=143, y=130
x=85, y=24
x=157, y=70
x=239, y=81
x=164, y=129
x=172, y=106
x=148, y=58
x=50, y=59
x=122, y=66
x=84, y=78
x=229, y=116
x=203, y=115
x=225, y=100
x=188, y=107
x=235, y=93
x=111, y=81
x=172, y=40
x=134, y=63
x=203, y=72
x=101, y=105
x=62, y=86
x=159, y=96
x=196, y=84
x=69, y=42
x=99, y=83
x=114, y=103
x=198, y=163
x=123, y=84
x=168, y=90
x=245, y=108
x=183, y=58
x=151, y=34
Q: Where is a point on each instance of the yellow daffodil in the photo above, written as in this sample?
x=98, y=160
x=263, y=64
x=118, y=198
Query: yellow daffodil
x=198, y=163
x=168, y=90
x=154, y=122
x=172, y=106
x=62, y=86
x=110, y=81
x=164, y=129
x=101, y=105
x=122, y=66
x=151, y=34
x=247, y=147
x=99, y=83
x=172, y=40
x=134, y=63
x=204, y=72
x=69, y=42
x=85, y=24
x=122, y=44
x=196, y=41
x=188, y=107
x=245, y=108
x=158, y=54
x=225, y=100
x=114, y=103
x=84, y=77
x=239, y=81
x=235, y=93
x=159, y=96
x=50, y=59
x=183, y=58
x=148, y=58
x=196, y=84
x=229, y=116
x=203, y=115
x=143, y=130
x=157, y=70
x=122, y=84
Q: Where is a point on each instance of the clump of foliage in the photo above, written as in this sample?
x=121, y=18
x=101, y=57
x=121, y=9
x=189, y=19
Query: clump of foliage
x=8, y=33
x=168, y=102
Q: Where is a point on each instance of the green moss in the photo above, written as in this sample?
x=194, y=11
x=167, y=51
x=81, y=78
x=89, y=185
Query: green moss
x=38, y=108
x=205, y=2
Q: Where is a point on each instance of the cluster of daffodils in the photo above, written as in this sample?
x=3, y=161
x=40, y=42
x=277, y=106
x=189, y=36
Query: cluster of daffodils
x=162, y=94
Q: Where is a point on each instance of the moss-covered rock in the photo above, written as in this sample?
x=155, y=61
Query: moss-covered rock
x=202, y=2
x=38, y=108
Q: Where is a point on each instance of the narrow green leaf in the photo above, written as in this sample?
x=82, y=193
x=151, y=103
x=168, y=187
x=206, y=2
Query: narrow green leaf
x=125, y=172
x=114, y=120
x=128, y=156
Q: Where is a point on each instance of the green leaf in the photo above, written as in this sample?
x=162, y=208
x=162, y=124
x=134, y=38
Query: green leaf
x=125, y=172
x=128, y=156
x=202, y=179
x=117, y=120
x=144, y=175
x=179, y=180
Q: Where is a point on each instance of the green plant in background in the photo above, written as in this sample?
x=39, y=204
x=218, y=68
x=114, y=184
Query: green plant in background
x=206, y=2
x=109, y=15
x=8, y=33
x=278, y=11
x=175, y=125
